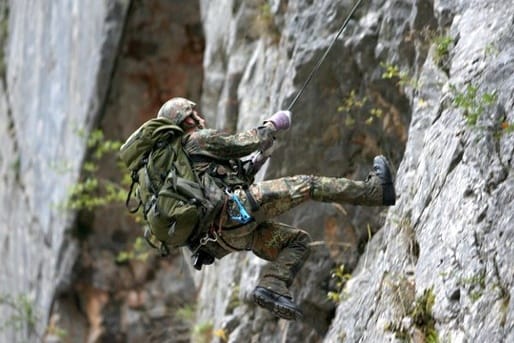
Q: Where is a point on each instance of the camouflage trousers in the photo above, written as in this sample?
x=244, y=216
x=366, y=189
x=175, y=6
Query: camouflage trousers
x=284, y=246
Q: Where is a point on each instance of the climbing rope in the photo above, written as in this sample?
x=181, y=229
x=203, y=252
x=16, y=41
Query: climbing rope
x=320, y=61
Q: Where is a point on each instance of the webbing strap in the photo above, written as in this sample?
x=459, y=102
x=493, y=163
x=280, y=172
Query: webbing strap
x=129, y=194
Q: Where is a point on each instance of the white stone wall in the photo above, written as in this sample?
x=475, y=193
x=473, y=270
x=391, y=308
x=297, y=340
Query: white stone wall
x=58, y=58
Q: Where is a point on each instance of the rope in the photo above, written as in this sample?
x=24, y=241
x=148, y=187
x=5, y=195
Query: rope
x=322, y=59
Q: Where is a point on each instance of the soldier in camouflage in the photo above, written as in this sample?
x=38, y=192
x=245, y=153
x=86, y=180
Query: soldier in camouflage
x=284, y=246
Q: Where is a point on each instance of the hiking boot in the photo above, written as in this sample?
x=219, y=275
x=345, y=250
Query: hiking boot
x=280, y=305
x=382, y=170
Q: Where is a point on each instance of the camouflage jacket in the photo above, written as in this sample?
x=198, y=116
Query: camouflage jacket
x=210, y=148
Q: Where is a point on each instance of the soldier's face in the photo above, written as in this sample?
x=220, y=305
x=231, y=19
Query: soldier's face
x=194, y=121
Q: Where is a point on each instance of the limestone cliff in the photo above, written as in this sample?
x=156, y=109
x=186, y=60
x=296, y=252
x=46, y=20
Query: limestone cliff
x=440, y=266
x=428, y=83
x=57, y=58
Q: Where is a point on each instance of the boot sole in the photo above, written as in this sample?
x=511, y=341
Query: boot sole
x=281, y=311
x=389, y=194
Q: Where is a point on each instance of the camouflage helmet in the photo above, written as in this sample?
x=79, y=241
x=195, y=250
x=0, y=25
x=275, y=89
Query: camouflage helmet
x=176, y=109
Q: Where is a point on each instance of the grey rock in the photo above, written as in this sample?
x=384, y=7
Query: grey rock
x=448, y=239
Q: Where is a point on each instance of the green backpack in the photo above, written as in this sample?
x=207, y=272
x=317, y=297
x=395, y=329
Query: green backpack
x=168, y=190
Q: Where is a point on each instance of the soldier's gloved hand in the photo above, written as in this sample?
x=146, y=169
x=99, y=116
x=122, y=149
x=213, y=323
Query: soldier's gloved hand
x=258, y=161
x=281, y=120
x=260, y=158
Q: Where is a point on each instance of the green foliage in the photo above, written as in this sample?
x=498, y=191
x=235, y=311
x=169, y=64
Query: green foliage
x=341, y=277
x=264, y=23
x=475, y=105
x=491, y=50
x=265, y=12
x=102, y=146
x=393, y=72
x=477, y=285
x=443, y=44
x=402, y=78
x=54, y=330
x=233, y=300
x=420, y=311
x=422, y=315
x=221, y=334
x=203, y=332
x=186, y=313
x=353, y=104
x=139, y=252
x=93, y=191
x=22, y=314
x=375, y=113
x=472, y=104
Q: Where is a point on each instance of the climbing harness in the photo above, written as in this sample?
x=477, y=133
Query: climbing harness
x=320, y=61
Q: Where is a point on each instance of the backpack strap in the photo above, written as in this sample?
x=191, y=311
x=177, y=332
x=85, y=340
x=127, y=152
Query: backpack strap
x=169, y=130
x=135, y=179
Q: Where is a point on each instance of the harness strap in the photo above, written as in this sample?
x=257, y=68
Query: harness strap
x=227, y=246
x=135, y=180
x=254, y=206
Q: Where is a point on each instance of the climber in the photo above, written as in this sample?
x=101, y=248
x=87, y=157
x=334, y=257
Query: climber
x=244, y=221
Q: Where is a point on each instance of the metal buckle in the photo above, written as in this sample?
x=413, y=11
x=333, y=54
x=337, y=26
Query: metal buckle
x=206, y=239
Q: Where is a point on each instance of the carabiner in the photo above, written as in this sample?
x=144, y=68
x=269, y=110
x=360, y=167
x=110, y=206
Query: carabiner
x=206, y=239
x=244, y=217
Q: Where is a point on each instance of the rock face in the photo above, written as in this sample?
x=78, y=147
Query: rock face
x=59, y=272
x=137, y=300
x=427, y=83
x=439, y=267
x=448, y=238
x=55, y=69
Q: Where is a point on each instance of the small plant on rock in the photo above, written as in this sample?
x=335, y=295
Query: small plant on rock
x=393, y=72
x=341, y=277
x=443, y=44
x=472, y=104
x=22, y=313
x=422, y=322
x=93, y=191
x=138, y=252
